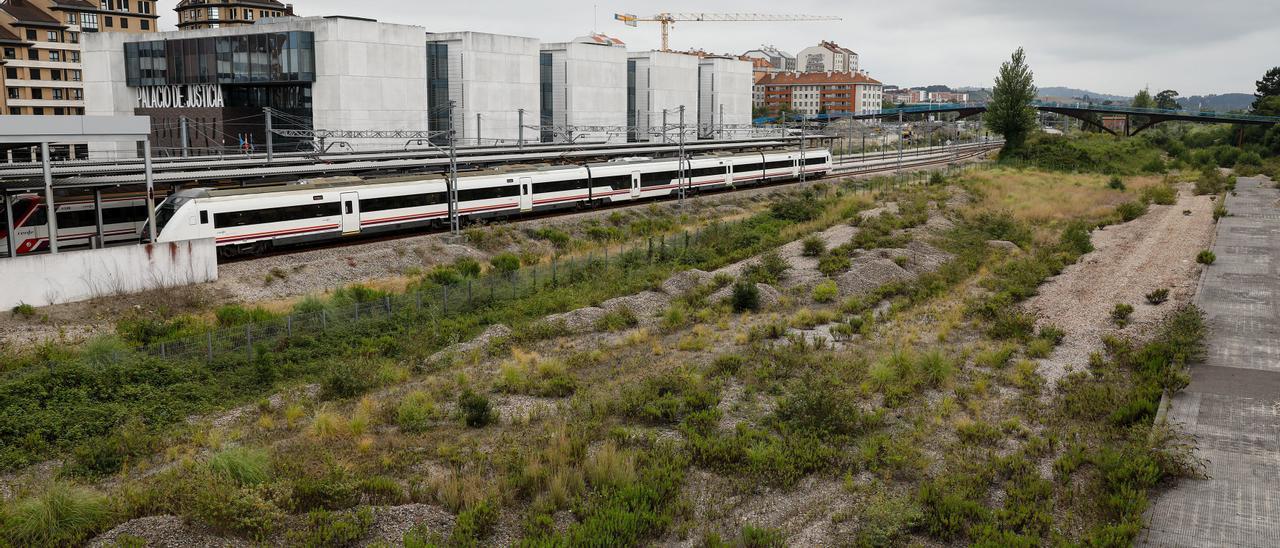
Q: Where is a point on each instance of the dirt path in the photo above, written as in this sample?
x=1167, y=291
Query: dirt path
x=1157, y=250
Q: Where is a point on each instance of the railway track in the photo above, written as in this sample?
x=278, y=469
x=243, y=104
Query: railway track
x=841, y=169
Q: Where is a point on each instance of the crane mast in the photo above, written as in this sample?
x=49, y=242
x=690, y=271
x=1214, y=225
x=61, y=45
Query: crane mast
x=667, y=19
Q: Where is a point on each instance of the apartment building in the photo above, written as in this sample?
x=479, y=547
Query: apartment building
x=212, y=14
x=40, y=48
x=827, y=57
x=811, y=93
x=778, y=60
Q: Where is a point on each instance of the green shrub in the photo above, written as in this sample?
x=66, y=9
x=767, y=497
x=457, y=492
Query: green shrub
x=242, y=465
x=325, y=528
x=332, y=489
x=996, y=358
x=1206, y=257
x=813, y=246
x=885, y=520
x=1161, y=194
x=1115, y=183
x=357, y=293
x=25, y=310
x=833, y=263
x=475, y=409
x=233, y=314
x=505, y=263
x=467, y=266
x=474, y=524
x=557, y=237
x=1011, y=324
x=105, y=455
x=727, y=364
x=937, y=179
x=1158, y=296
x=346, y=378
x=1075, y=238
x=797, y=209
x=1120, y=314
x=617, y=320
x=1039, y=348
x=825, y=291
x=668, y=398
x=768, y=270
x=760, y=537
x=1052, y=333
x=936, y=367
x=1129, y=211
x=60, y=515
x=415, y=412
x=1219, y=211
x=444, y=275
x=746, y=296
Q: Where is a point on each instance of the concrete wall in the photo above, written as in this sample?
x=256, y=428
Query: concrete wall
x=41, y=280
x=668, y=81
x=593, y=81
x=724, y=96
x=369, y=75
x=495, y=76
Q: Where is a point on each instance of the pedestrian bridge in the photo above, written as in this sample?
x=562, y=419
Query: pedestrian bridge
x=1136, y=118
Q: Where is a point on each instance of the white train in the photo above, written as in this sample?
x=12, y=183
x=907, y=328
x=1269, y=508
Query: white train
x=253, y=220
x=123, y=216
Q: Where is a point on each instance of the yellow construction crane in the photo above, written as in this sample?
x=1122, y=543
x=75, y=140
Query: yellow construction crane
x=669, y=19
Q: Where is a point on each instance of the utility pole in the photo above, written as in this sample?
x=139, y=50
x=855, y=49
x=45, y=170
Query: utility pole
x=478, y=143
x=802, y=124
x=899, y=140
x=454, y=228
x=680, y=166
x=182, y=125
x=664, y=125
x=50, y=208
x=520, y=129
x=270, y=141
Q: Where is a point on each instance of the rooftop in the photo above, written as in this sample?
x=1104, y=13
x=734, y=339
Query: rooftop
x=26, y=12
x=808, y=78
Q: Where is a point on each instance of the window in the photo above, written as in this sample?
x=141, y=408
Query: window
x=36, y=93
x=560, y=186
x=13, y=93
x=11, y=73
x=10, y=53
x=707, y=171
x=57, y=94
x=124, y=5
x=55, y=55
x=15, y=111
x=75, y=57
x=248, y=15
x=53, y=36
x=71, y=18
x=89, y=21
x=275, y=214
x=124, y=22
x=656, y=179
x=58, y=111
x=34, y=73
x=31, y=34
x=779, y=164
x=79, y=95
x=213, y=13
x=616, y=182
x=55, y=74
x=75, y=74
x=204, y=217
x=401, y=202
x=108, y=21
x=73, y=37
x=490, y=193
x=146, y=25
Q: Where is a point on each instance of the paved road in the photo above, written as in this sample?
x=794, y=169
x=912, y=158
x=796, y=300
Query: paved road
x=1232, y=405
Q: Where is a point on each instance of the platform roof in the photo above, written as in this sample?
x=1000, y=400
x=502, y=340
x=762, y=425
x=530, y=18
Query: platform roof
x=74, y=129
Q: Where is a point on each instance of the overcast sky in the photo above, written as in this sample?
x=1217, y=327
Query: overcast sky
x=1108, y=46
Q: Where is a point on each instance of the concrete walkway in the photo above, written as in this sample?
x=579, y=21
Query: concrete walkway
x=1232, y=406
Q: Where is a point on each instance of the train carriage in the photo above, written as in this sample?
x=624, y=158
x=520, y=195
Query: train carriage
x=123, y=216
x=253, y=220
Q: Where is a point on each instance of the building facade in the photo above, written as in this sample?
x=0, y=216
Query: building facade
x=491, y=79
x=658, y=84
x=312, y=72
x=724, y=96
x=583, y=90
x=827, y=57
x=212, y=14
x=40, y=45
x=779, y=61
x=812, y=93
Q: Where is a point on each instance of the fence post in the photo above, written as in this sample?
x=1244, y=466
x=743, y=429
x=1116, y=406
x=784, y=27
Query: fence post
x=417, y=300
x=324, y=320
x=553, y=271
x=209, y=344
x=649, y=254
x=248, y=336
x=445, y=300
x=386, y=303
x=468, y=292
x=288, y=326
x=686, y=240
x=163, y=354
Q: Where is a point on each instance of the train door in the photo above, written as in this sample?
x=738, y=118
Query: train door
x=797, y=164
x=728, y=173
x=350, y=212
x=526, y=193
x=635, y=184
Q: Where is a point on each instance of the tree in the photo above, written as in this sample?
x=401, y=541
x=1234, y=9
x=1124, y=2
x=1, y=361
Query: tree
x=1143, y=99
x=1010, y=113
x=1268, y=86
x=1167, y=100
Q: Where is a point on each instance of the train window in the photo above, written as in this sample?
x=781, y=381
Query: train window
x=488, y=193
x=748, y=167
x=38, y=218
x=204, y=217
x=616, y=182
x=708, y=171
x=70, y=219
x=560, y=186
x=401, y=202
x=350, y=210
x=779, y=164
x=656, y=179
x=121, y=215
x=275, y=214
x=812, y=160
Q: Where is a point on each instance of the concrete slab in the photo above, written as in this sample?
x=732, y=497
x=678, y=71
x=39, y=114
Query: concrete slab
x=1232, y=405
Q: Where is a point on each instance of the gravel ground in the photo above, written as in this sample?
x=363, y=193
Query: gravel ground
x=165, y=531
x=1157, y=250
x=804, y=511
x=391, y=522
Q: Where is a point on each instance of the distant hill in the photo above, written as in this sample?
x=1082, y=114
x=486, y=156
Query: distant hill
x=1061, y=92
x=1221, y=103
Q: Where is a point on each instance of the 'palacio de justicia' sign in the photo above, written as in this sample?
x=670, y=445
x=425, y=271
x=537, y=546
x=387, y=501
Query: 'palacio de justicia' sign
x=180, y=96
